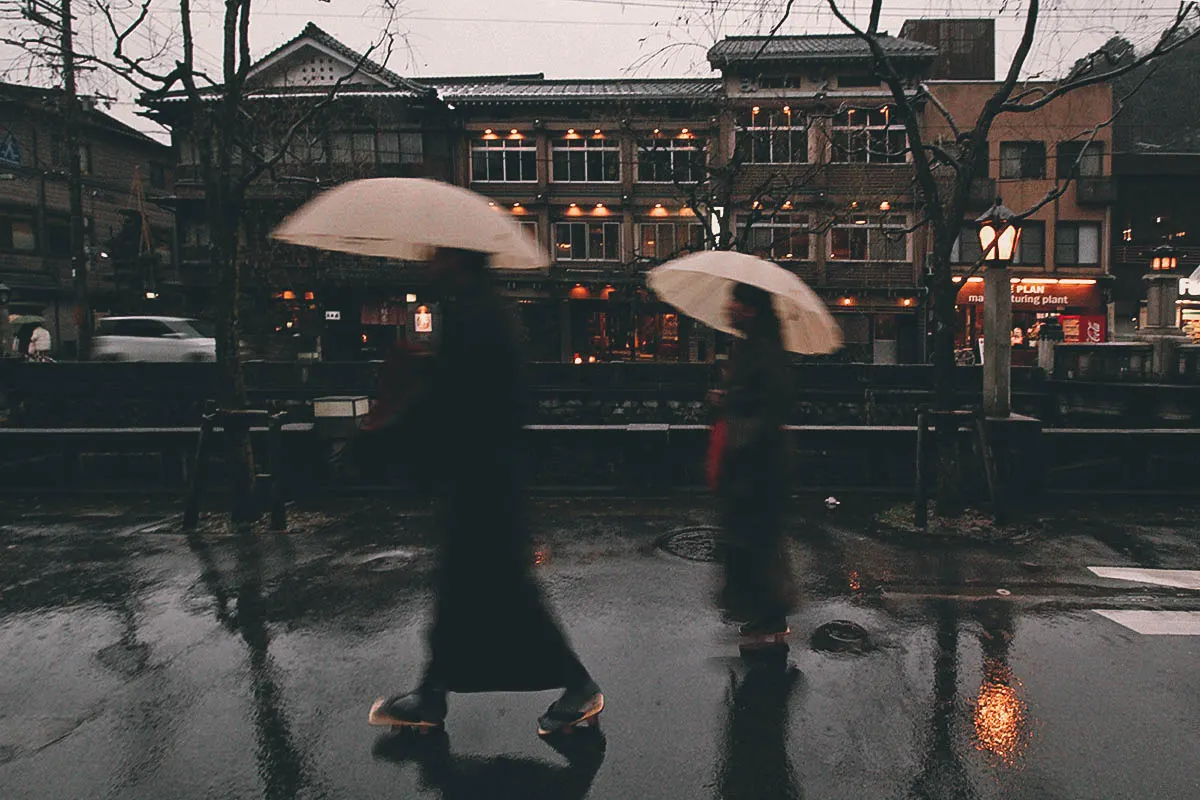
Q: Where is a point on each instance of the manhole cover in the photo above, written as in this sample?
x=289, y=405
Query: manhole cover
x=695, y=544
x=841, y=636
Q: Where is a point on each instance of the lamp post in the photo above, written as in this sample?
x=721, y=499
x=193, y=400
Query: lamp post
x=999, y=235
x=1162, y=293
x=5, y=325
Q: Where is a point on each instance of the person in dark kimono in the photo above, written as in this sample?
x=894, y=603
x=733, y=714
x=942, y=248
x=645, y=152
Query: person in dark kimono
x=753, y=478
x=492, y=630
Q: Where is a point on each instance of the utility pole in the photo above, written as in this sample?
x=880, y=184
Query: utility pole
x=79, y=259
x=43, y=12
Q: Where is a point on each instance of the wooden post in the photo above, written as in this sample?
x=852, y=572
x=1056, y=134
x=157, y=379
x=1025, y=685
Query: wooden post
x=921, y=506
x=275, y=464
x=989, y=468
x=191, y=514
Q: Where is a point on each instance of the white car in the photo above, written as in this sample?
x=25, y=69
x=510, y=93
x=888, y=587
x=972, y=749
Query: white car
x=152, y=339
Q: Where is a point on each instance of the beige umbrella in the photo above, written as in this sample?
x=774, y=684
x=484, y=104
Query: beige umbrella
x=407, y=219
x=701, y=286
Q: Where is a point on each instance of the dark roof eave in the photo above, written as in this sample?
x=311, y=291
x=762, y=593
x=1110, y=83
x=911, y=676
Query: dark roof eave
x=720, y=62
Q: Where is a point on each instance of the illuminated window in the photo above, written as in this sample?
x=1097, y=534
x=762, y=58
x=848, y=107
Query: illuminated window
x=782, y=237
x=587, y=241
x=773, y=136
x=662, y=240
x=869, y=238
x=869, y=136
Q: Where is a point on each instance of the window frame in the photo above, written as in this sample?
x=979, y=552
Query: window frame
x=1077, y=225
x=1022, y=159
x=8, y=219
x=797, y=222
x=874, y=226
x=569, y=144
x=746, y=137
x=842, y=153
x=607, y=228
x=692, y=150
x=518, y=151
x=1066, y=167
x=693, y=233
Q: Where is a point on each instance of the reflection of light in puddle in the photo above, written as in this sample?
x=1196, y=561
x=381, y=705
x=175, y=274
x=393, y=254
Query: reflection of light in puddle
x=1001, y=716
x=855, y=581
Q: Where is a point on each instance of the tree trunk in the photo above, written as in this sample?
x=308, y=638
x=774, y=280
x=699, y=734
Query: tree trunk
x=949, y=462
x=225, y=218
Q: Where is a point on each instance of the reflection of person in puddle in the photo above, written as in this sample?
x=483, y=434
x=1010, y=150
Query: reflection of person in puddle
x=754, y=761
x=473, y=777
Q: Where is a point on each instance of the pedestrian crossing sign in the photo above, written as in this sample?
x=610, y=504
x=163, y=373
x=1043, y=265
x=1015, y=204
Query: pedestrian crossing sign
x=10, y=151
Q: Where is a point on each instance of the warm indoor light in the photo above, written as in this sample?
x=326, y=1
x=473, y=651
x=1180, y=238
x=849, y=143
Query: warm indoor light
x=754, y=110
x=310, y=296
x=847, y=301
x=1166, y=259
x=906, y=301
x=787, y=205
x=289, y=295
x=151, y=295
x=410, y=298
x=885, y=206
x=787, y=109
x=599, y=205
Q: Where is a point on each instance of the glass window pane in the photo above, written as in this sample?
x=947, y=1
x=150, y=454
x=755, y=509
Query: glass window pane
x=22, y=235
x=649, y=238
x=495, y=165
x=341, y=148
x=612, y=241
x=839, y=244
x=364, y=148
x=561, y=168
x=1089, y=244
x=576, y=160
x=389, y=147
x=579, y=240
x=1066, y=244
x=1010, y=160
x=562, y=240
x=412, y=148
x=858, y=243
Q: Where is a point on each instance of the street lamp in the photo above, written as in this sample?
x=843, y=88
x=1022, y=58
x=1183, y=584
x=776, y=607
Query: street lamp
x=999, y=235
x=1165, y=259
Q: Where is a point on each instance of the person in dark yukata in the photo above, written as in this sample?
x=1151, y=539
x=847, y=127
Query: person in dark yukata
x=752, y=486
x=492, y=630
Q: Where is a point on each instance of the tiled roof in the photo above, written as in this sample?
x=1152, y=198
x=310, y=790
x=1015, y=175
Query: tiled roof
x=742, y=49
x=369, y=67
x=490, y=89
x=47, y=98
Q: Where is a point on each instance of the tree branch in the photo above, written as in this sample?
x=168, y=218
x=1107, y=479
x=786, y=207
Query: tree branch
x=1170, y=41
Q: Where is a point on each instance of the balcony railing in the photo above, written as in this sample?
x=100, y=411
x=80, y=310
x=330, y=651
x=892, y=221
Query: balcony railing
x=1095, y=191
x=1139, y=255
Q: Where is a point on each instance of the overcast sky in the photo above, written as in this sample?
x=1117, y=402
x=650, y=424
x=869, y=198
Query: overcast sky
x=611, y=38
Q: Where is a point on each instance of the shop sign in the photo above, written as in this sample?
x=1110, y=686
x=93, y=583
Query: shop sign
x=1038, y=295
x=423, y=320
x=1190, y=287
x=333, y=316
x=1088, y=328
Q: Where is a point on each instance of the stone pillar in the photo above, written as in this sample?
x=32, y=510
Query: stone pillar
x=1161, y=331
x=997, y=344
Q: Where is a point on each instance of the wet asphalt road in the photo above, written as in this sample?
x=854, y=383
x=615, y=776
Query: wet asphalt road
x=141, y=663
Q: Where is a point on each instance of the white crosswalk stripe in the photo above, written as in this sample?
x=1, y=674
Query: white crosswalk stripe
x=1154, y=623
x=1157, y=623
x=1177, y=578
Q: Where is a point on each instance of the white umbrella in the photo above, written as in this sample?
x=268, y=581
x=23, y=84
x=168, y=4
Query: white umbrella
x=701, y=286
x=407, y=219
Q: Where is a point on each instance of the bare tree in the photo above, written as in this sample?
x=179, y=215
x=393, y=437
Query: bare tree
x=944, y=200
x=239, y=136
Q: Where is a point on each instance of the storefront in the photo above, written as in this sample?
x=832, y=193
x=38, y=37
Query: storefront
x=1076, y=303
